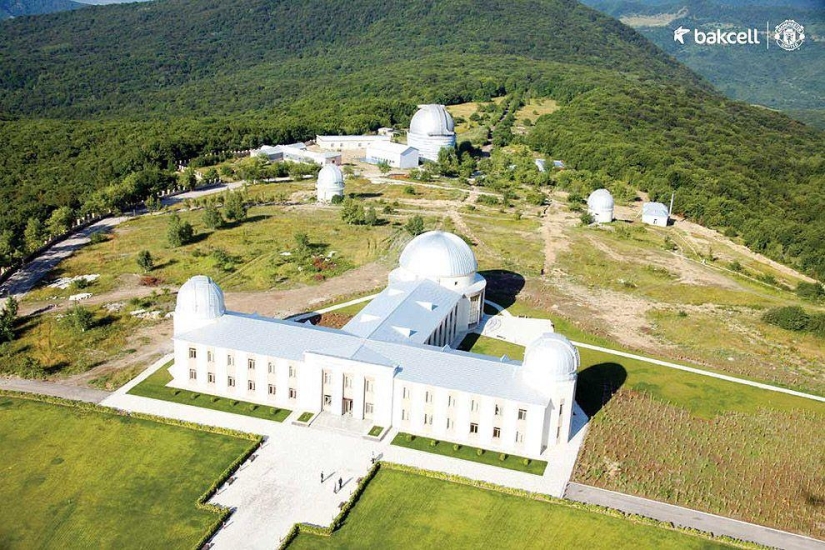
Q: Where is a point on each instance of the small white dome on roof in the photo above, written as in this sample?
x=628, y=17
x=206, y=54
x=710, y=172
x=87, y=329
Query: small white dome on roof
x=549, y=359
x=432, y=120
x=200, y=298
x=600, y=199
x=330, y=177
x=438, y=254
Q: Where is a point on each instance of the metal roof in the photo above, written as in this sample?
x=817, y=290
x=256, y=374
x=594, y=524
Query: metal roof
x=437, y=254
x=654, y=209
x=404, y=312
x=390, y=147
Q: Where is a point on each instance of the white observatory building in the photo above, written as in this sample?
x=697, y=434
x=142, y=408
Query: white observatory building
x=600, y=206
x=330, y=183
x=392, y=364
x=431, y=129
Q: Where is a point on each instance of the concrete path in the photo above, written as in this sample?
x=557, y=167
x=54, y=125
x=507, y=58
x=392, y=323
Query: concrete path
x=694, y=519
x=43, y=387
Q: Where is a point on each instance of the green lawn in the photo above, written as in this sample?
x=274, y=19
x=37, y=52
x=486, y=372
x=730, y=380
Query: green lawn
x=401, y=510
x=84, y=479
x=466, y=452
x=155, y=387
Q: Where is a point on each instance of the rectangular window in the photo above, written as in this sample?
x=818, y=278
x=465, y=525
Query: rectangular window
x=449, y=424
x=498, y=410
x=210, y=377
x=193, y=375
x=230, y=360
x=250, y=385
x=210, y=357
x=405, y=393
x=230, y=381
x=250, y=364
x=291, y=371
x=450, y=401
x=327, y=377
x=522, y=414
x=561, y=408
x=270, y=389
x=270, y=368
x=496, y=433
x=473, y=405
x=473, y=428
x=368, y=386
x=428, y=419
x=368, y=408
x=519, y=437
x=293, y=393
x=428, y=397
x=193, y=353
x=403, y=414
x=347, y=381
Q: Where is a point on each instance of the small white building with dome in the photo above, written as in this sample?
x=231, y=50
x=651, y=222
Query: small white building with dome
x=431, y=129
x=393, y=364
x=600, y=205
x=330, y=183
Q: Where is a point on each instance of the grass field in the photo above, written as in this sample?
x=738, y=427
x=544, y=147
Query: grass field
x=401, y=510
x=466, y=452
x=764, y=466
x=155, y=387
x=534, y=108
x=75, y=479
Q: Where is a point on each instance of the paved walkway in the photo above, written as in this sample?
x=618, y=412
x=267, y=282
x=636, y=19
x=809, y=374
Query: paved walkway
x=43, y=387
x=282, y=485
x=694, y=519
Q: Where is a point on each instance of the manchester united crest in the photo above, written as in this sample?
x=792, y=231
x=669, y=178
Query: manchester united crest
x=789, y=35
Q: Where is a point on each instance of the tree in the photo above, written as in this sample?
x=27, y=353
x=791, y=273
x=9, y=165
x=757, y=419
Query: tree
x=78, y=319
x=145, y=261
x=34, y=235
x=188, y=178
x=153, y=203
x=415, y=225
x=370, y=217
x=179, y=232
x=234, y=206
x=7, y=250
x=7, y=318
x=211, y=175
x=383, y=167
x=352, y=212
x=212, y=218
x=60, y=221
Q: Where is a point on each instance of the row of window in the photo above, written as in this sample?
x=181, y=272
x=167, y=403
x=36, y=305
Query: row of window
x=250, y=384
x=428, y=398
x=250, y=363
x=369, y=384
x=428, y=421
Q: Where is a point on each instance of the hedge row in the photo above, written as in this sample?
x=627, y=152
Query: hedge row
x=565, y=502
x=202, y=502
x=339, y=519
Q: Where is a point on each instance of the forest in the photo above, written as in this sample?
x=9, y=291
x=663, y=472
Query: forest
x=98, y=106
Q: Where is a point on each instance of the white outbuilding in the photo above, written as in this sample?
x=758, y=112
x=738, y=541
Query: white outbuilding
x=392, y=365
x=600, y=206
x=330, y=183
x=431, y=129
x=655, y=213
x=394, y=154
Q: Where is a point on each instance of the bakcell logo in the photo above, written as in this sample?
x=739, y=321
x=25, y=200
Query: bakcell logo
x=724, y=38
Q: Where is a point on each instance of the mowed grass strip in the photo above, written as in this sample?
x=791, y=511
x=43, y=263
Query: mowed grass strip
x=402, y=510
x=84, y=479
x=467, y=452
x=155, y=387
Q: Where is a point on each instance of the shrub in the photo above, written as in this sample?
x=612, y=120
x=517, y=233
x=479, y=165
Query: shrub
x=788, y=317
x=233, y=403
x=479, y=452
x=810, y=291
x=215, y=399
x=525, y=461
x=433, y=443
x=410, y=437
x=502, y=457
x=78, y=319
x=98, y=237
x=456, y=447
x=415, y=225
x=409, y=190
x=253, y=407
x=145, y=261
x=488, y=200
x=175, y=392
x=586, y=218
x=194, y=396
x=273, y=411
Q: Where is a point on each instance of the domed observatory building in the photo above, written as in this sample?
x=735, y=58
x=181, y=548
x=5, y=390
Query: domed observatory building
x=600, y=206
x=551, y=363
x=392, y=364
x=431, y=129
x=330, y=183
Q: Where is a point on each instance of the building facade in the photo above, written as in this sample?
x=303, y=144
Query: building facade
x=349, y=143
x=394, y=154
x=392, y=364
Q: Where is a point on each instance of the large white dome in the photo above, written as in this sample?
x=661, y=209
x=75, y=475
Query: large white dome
x=600, y=199
x=549, y=359
x=330, y=177
x=200, y=298
x=432, y=120
x=438, y=254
